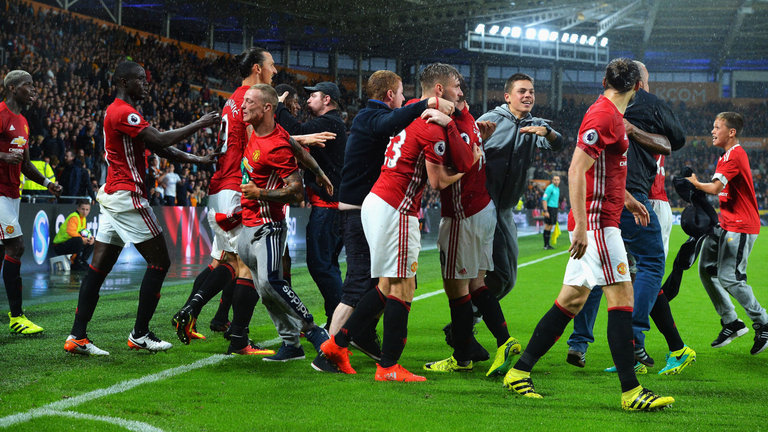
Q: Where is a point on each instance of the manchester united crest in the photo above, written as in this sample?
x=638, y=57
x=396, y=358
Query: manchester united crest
x=622, y=268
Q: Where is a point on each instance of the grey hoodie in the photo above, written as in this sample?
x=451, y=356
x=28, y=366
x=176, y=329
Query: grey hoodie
x=509, y=154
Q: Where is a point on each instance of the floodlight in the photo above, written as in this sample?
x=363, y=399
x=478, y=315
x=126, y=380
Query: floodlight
x=583, y=39
x=604, y=42
x=592, y=40
x=530, y=33
x=565, y=37
x=553, y=36
x=480, y=28
x=494, y=29
x=516, y=32
x=505, y=31
x=574, y=38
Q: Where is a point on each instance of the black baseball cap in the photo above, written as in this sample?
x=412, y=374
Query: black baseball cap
x=329, y=88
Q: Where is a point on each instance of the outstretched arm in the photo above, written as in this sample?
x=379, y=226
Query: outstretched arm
x=306, y=160
x=30, y=171
x=155, y=140
x=712, y=188
x=174, y=154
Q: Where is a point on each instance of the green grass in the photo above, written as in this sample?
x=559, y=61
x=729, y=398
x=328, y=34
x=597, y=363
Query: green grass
x=725, y=388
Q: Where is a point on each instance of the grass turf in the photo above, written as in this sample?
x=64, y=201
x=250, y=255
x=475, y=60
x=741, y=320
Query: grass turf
x=723, y=389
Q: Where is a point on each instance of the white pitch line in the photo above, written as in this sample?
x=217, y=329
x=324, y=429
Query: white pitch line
x=434, y=293
x=56, y=408
x=115, y=389
x=131, y=425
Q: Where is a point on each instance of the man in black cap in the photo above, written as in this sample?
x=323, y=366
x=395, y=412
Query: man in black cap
x=324, y=241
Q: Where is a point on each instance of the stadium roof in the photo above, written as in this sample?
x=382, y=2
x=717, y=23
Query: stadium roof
x=678, y=34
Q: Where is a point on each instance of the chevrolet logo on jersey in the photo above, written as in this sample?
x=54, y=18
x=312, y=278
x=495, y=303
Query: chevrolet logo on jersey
x=19, y=141
x=245, y=169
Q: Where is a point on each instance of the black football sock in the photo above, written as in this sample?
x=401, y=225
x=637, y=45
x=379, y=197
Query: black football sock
x=87, y=300
x=547, y=234
x=199, y=280
x=244, y=299
x=149, y=296
x=547, y=332
x=488, y=306
x=462, y=319
x=220, y=277
x=662, y=317
x=367, y=311
x=395, y=331
x=621, y=343
x=12, y=281
x=225, y=302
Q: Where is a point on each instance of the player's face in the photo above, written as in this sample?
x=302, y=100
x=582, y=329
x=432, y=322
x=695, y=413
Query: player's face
x=452, y=90
x=25, y=93
x=253, y=109
x=521, y=98
x=316, y=101
x=267, y=70
x=136, y=84
x=397, y=97
x=556, y=181
x=721, y=133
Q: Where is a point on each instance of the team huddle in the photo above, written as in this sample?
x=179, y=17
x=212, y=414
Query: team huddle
x=366, y=190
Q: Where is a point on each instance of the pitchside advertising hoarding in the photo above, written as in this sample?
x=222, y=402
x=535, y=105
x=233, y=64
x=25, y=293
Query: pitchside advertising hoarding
x=185, y=228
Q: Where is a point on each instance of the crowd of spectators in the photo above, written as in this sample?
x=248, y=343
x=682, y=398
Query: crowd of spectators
x=71, y=60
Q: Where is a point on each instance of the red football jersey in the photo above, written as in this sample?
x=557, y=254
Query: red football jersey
x=232, y=140
x=738, y=204
x=124, y=152
x=467, y=196
x=404, y=172
x=14, y=138
x=266, y=161
x=603, y=138
x=658, y=192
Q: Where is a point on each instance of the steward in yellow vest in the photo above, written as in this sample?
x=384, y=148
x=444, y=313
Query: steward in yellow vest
x=73, y=237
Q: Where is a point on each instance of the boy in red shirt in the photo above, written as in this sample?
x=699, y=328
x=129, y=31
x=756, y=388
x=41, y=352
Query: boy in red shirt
x=723, y=262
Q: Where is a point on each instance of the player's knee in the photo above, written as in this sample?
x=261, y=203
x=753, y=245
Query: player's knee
x=15, y=250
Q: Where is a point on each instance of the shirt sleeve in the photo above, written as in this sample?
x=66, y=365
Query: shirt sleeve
x=130, y=122
x=596, y=130
x=433, y=140
x=727, y=169
x=283, y=161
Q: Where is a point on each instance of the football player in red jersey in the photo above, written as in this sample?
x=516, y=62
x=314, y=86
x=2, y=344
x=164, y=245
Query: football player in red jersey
x=597, y=177
x=465, y=242
x=14, y=160
x=125, y=214
x=256, y=66
x=270, y=181
x=389, y=219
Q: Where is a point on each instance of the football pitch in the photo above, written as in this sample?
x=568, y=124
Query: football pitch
x=196, y=388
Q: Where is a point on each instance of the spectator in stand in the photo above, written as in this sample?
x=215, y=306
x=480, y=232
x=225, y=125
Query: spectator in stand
x=168, y=181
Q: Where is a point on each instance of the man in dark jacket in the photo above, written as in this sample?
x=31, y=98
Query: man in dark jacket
x=369, y=136
x=324, y=227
